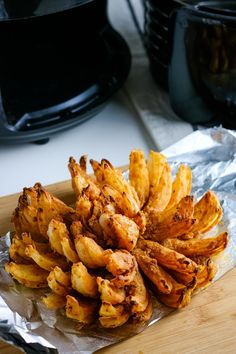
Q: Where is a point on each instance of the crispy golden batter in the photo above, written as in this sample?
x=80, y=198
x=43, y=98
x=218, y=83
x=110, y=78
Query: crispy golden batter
x=119, y=202
x=83, y=311
x=113, y=322
x=78, y=176
x=94, y=253
x=82, y=281
x=56, y=230
x=160, y=278
x=42, y=246
x=50, y=208
x=123, y=266
x=68, y=250
x=59, y=282
x=180, y=294
x=25, y=215
x=106, y=174
x=93, y=222
x=36, y=207
x=207, y=271
x=56, y=287
x=29, y=275
x=92, y=191
x=90, y=253
x=155, y=165
x=81, y=181
x=199, y=247
x=63, y=278
x=112, y=316
x=119, y=231
x=207, y=213
x=59, y=239
x=185, y=278
x=171, y=223
x=17, y=251
x=115, y=178
x=144, y=316
x=141, y=220
x=168, y=258
x=84, y=208
x=109, y=310
x=181, y=186
x=46, y=261
x=19, y=244
x=98, y=171
x=109, y=292
x=76, y=228
x=160, y=194
x=54, y=301
x=138, y=297
x=138, y=175
x=177, y=299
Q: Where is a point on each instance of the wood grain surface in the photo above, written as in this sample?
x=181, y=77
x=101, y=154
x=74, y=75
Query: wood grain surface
x=206, y=326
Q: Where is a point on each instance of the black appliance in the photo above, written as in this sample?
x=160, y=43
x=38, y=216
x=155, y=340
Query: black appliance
x=192, y=52
x=157, y=30
x=60, y=62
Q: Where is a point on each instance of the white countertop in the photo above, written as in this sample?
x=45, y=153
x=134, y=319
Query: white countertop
x=111, y=134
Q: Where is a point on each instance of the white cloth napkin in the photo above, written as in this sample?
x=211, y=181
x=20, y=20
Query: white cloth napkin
x=150, y=101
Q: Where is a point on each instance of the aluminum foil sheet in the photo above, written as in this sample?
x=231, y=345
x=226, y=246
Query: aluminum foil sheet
x=26, y=323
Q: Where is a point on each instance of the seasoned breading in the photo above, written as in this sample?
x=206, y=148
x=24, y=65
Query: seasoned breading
x=30, y=275
x=81, y=181
x=158, y=276
x=83, y=311
x=112, y=316
x=138, y=296
x=181, y=186
x=160, y=193
x=138, y=175
x=174, y=222
x=50, y=207
x=90, y=253
x=107, y=174
x=199, y=247
x=123, y=266
x=119, y=231
x=54, y=301
x=25, y=214
x=207, y=213
x=168, y=258
x=59, y=281
x=82, y=281
x=46, y=261
x=109, y=292
x=124, y=237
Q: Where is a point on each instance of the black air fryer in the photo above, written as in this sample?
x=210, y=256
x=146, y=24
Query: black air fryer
x=191, y=46
x=159, y=35
x=60, y=62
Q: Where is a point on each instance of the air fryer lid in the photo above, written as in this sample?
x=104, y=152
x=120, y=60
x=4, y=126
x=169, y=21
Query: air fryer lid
x=13, y=9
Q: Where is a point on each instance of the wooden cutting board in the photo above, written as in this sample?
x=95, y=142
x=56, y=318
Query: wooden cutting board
x=207, y=325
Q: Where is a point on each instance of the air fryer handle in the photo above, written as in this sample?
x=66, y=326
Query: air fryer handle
x=5, y=129
x=185, y=100
x=9, y=135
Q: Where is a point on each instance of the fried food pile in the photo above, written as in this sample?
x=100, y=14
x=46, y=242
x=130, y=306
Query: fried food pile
x=100, y=258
